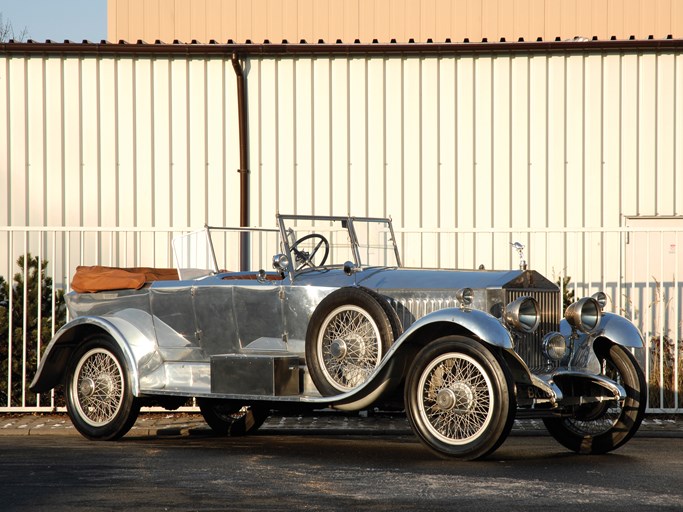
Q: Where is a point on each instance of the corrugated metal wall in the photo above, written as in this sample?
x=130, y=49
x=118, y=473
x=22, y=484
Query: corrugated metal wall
x=466, y=151
x=477, y=141
x=117, y=141
x=469, y=141
x=384, y=20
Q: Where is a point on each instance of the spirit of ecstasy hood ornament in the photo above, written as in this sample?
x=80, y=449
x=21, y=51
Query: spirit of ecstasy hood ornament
x=520, y=250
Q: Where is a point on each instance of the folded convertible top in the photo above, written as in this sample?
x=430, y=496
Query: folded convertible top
x=98, y=278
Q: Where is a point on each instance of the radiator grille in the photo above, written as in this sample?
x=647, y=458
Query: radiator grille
x=412, y=309
x=529, y=347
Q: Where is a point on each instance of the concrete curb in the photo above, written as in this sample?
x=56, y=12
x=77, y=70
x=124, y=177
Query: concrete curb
x=333, y=423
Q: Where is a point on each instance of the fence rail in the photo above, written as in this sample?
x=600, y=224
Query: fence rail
x=640, y=270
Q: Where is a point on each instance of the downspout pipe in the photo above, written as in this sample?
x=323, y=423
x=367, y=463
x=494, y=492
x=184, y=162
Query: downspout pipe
x=244, y=162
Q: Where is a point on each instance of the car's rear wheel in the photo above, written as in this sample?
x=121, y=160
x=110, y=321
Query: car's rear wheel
x=603, y=427
x=347, y=336
x=98, y=386
x=230, y=418
x=459, y=398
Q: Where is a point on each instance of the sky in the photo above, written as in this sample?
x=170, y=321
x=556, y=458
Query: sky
x=57, y=20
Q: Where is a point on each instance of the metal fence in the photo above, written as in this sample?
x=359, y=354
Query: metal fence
x=639, y=269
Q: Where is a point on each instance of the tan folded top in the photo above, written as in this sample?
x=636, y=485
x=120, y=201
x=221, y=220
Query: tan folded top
x=98, y=278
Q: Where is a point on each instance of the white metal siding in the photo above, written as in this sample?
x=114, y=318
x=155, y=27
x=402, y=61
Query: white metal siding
x=437, y=142
x=465, y=152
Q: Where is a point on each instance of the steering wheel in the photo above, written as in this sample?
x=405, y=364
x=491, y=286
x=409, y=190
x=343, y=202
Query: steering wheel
x=304, y=258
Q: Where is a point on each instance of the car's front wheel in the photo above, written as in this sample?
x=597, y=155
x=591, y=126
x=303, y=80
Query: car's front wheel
x=229, y=418
x=459, y=398
x=98, y=386
x=603, y=427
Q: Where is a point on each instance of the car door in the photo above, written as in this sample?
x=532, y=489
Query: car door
x=238, y=314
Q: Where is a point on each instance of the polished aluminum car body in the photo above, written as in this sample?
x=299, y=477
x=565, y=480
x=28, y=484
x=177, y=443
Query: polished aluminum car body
x=341, y=323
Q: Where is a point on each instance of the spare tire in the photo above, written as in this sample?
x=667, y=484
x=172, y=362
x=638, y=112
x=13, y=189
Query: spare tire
x=347, y=336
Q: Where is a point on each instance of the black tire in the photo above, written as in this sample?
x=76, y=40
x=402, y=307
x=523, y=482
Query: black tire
x=459, y=398
x=98, y=389
x=347, y=336
x=394, y=320
x=229, y=418
x=604, y=427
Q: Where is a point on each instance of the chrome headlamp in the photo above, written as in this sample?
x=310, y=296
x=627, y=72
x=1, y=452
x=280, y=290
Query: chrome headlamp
x=584, y=315
x=554, y=346
x=281, y=262
x=522, y=314
x=465, y=296
x=601, y=297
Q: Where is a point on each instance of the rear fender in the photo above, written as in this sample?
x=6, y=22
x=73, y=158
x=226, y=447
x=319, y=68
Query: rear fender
x=137, y=346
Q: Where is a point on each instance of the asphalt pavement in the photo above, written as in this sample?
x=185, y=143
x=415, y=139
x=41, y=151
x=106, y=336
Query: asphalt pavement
x=166, y=423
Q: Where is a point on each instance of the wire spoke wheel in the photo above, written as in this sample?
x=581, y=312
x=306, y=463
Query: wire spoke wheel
x=230, y=418
x=594, y=420
x=349, y=346
x=459, y=398
x=348, y=335
x=98, y=387
x=603, y=427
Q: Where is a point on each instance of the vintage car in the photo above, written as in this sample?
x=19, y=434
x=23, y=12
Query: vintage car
x=340, y=323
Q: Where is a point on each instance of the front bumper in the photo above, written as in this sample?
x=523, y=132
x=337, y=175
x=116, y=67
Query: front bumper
x=562, y=390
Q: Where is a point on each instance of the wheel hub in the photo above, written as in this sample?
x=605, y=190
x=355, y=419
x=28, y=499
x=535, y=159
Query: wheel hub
x=458, y=398
x=338, y=348
x=86, y=387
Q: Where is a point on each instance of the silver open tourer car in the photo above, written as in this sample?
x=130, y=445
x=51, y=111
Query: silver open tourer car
x=340, y=323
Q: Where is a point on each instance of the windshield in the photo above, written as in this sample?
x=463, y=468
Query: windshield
x=220, y=249
x=310, y=242
x=314, y=242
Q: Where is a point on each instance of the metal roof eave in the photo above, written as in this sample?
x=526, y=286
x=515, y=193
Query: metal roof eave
x=267, y=49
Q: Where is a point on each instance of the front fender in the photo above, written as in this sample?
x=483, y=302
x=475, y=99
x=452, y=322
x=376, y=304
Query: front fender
x=136, y=341
x=621, y=331
x=615, y=328
x=483, y=325
x=436, y=324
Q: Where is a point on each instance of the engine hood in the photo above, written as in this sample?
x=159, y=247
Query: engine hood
x=405, y=278
x=384, y=278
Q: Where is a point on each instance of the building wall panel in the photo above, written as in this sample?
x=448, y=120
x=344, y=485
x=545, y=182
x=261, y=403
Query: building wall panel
x=677, y=106
x=665, y=133
x=648, y=173
x=358, y=149
x=161, y=144
x=287, y=112
x=54, y=199
x=89, y=113
x=438, y=142
x=520, y=141
x=611, y=137
x=72, y=136
x=384, y=20
x=215, y=137
x=36, y=132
